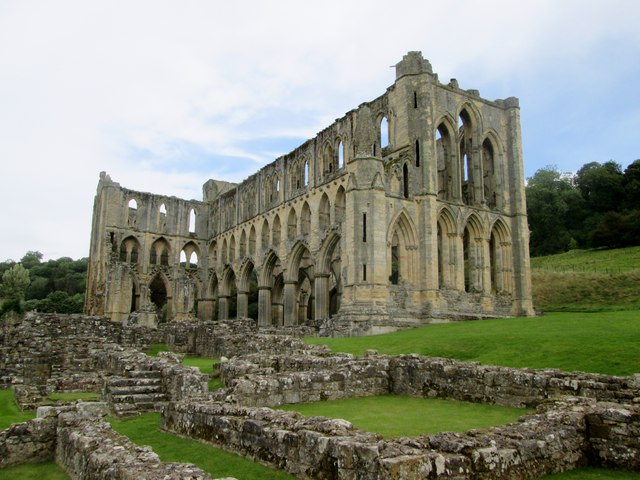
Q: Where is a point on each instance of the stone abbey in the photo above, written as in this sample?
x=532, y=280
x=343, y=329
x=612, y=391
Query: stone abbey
x=408, y=209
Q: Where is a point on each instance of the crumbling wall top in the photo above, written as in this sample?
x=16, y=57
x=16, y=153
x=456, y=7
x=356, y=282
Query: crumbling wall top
x=413, y=64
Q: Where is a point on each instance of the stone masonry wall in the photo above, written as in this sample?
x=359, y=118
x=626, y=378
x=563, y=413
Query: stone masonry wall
x=86, y=447
x=551, y=440
x=311, y=375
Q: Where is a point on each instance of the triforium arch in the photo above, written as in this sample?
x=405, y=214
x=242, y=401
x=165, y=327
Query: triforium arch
x=447, y=245
x=501, y=259
x=402, y=254
x=385, y=230
x=473, y=249
x=247, y=306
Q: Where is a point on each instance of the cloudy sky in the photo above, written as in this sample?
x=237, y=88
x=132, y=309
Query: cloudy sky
x=166, y=94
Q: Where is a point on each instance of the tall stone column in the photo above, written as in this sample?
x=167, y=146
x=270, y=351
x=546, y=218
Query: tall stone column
x=264, y=306
x=243, y=304
x=223, y=307
x=321, y=294
x=290, y=311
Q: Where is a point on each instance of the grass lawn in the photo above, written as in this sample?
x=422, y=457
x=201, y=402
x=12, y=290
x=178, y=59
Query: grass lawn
x=9, y=411
x=144, y=430
x=395, y=416
x=606, y=343
x=34, y=471
x=612, y=261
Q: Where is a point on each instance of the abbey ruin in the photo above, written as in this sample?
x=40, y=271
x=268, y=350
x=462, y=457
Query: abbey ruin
x=407, y=209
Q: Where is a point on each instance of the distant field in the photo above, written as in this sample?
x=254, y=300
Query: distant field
x=587, y=280
x=610, y=261
x=591, y=342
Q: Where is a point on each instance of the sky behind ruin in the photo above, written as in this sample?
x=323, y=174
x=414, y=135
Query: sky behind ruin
x=164, y=95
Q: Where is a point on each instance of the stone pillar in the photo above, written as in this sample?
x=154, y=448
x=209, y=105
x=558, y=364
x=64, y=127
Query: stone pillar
x=321, y=296
x=223, y=307
x=290, y=311
x=243, y=304
x=264, y=306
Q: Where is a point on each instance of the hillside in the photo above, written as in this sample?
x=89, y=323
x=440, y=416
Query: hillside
x=587, y=280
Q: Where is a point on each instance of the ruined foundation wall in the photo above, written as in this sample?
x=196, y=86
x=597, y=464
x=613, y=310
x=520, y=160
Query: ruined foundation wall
x=85, y=446
x=549, y=441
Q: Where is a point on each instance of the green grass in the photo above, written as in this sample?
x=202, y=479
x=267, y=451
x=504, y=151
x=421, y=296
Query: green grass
x=587, y=280
x=606, y=343
x=155, y=348
x=611, y=261
x=9, y=411
x=144, y=430
x=204, y=364
x=34, y=471
x=395, y=416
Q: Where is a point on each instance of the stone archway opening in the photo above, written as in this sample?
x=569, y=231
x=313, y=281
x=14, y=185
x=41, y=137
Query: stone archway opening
x=159, y=297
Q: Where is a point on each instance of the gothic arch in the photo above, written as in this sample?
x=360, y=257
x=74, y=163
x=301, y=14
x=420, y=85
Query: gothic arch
x=243, y=276
x=340, y=205
x=447, y=234
x=130, y=250
x=324, y=212
x=189, y=249
x=276, y=232
x=500, y=259
x=160, y=252
x=305, y=219
x=270, y=265
x=446, y=166
x=264, y=236
x=227, y=281
x=473, y=240
x=403, y=248
x=299, y=252
x=292, y=225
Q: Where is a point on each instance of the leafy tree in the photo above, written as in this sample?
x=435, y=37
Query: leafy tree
x=601, y=186
x=631, y=185
x=14, y=284
x=31, y=259
x=551, y=200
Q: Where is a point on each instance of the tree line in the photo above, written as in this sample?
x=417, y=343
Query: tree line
x=51, y=286
x=598, y=206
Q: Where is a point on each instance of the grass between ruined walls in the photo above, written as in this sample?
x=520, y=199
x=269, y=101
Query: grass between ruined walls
x=34, y=471
x=607, y=343
x=394, y=416
x=9, y=411
x=144, y=430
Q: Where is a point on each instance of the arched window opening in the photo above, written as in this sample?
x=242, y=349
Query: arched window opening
x=278, y=185
x=324, y=213
x=243, y=244
x=134, y=253
x=443, y=163
x=465, y=148
x=252, y=295
x=415, y=99
x=264, y=236
x=232, y=249
x=395, y=260
x=292, y=225
x=306, y=173
x=183, y=258
x=276, y=231
x=162, y=209
x=305, y=219
x=341, y=155
x=384, y=132
x=158, y=297
x=417, y=150
x=192, y=260
x=466, y=245
x=129, y=249
x=440, y=259
x=340, y=205
x=405, y=181
x=192, y=221
x=224, y=252
x=252, y=241
x=488, y=174
x=133, y=204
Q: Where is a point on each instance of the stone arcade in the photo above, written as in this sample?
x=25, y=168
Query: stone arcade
x=409, y=208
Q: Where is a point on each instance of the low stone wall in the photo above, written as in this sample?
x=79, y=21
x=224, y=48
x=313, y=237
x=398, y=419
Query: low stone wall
x=86, y=447
x=312, y=375
x=551, y=440
x=53, y=350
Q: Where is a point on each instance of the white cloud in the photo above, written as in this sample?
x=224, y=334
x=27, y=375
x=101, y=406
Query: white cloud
x=135, y=88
